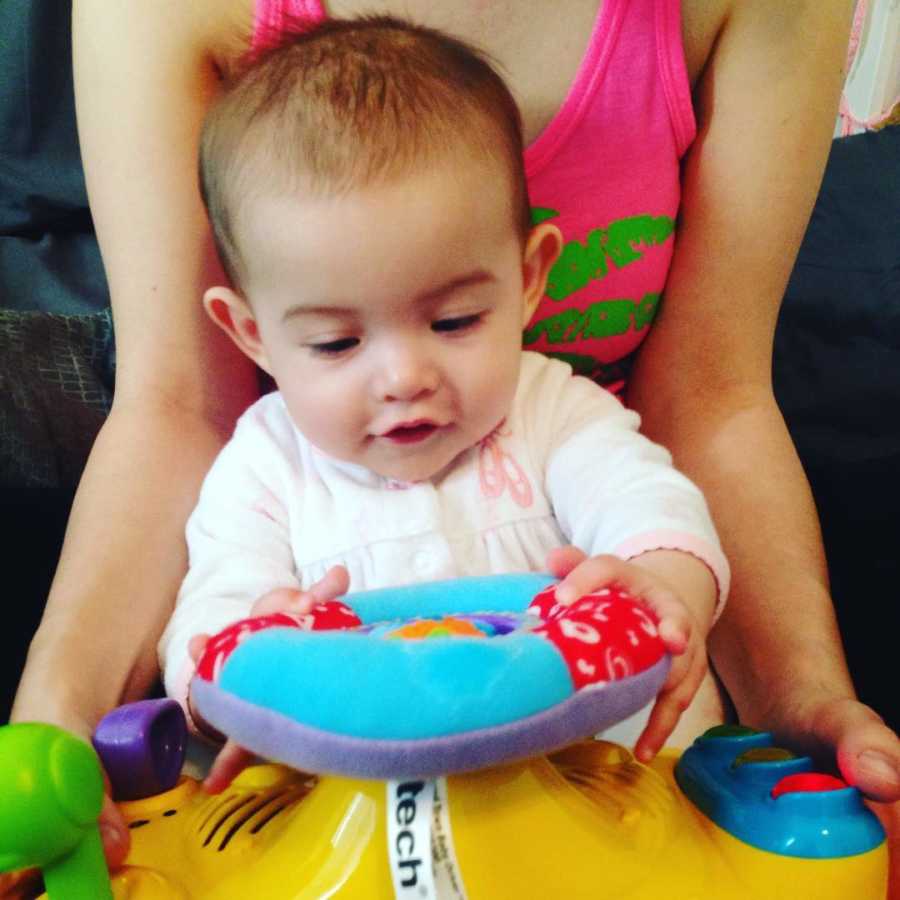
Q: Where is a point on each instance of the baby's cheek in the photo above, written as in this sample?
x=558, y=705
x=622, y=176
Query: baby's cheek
x=491, y=395
x=327, y=417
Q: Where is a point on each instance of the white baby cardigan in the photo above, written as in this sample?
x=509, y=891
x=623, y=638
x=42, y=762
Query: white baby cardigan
x=567, y=466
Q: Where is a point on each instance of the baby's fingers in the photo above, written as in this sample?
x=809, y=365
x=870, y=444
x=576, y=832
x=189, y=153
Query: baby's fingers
x=593, y=573
x=602, y=571
x=561, y=560
x=231, y=760
x=678, y=692
x=676, y=627
x=333, y=584
x=288, y=600
x=196, y=646
x=596, y=572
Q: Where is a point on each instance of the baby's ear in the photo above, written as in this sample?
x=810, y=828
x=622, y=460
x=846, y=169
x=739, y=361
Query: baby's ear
x=231, y=312
x=542, y=249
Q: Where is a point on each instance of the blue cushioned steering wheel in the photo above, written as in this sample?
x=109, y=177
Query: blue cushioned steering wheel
x=431, y=678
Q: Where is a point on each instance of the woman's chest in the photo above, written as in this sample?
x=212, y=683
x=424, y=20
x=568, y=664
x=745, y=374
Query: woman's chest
x=538, y=46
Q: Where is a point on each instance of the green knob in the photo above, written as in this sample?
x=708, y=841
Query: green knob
x=52, y=791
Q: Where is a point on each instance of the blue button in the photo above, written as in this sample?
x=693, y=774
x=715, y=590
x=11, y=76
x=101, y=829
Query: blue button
x=766, y=797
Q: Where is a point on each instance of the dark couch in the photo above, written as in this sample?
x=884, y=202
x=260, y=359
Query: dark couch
x=837, y=378
x=837, y=360
x=56, y=350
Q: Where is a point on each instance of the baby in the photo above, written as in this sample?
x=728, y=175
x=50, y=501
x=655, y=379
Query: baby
x=366, y=188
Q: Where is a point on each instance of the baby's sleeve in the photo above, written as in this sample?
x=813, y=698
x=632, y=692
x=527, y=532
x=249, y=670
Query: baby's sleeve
x=238, y=541
x=612, y=489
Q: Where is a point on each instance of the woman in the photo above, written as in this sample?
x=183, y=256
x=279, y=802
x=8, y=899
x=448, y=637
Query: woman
x=764, y=77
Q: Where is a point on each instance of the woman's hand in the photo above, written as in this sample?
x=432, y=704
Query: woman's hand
x=113, y=831
x=827, y=726
x=21, y=885
x=232, y=759
x=681, y=591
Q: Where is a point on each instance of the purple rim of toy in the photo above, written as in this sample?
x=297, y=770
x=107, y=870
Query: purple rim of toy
x=142, y=747
x=276, y=737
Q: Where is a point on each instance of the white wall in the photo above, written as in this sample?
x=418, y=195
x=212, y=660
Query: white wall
x=873, y=83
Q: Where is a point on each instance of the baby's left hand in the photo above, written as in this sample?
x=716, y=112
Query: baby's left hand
x=684, y=613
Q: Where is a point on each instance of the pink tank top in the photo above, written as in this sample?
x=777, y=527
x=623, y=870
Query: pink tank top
x=606, y=171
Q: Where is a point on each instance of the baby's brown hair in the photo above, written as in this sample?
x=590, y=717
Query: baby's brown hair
x=349, y=103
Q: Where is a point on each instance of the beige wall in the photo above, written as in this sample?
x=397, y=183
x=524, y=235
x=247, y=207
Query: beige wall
x=873, y=83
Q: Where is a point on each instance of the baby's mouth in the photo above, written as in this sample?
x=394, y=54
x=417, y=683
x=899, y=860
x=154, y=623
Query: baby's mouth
x=411, y=433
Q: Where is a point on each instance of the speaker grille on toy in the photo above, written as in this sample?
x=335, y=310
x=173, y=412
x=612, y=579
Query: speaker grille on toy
x=235, y=818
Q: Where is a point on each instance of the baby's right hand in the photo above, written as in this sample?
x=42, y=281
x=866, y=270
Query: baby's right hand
x=232, y=759
x=286, y=600
x=335, y=583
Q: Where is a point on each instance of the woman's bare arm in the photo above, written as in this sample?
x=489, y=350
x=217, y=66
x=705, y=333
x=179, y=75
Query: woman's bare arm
x=144, y=74
x=766, y=104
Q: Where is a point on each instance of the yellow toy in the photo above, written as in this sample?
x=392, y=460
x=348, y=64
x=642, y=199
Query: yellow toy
x=732, y=818
x=588, y=821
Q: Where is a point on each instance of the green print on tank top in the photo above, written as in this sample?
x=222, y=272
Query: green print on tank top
x=581, y=262
x=621, y=243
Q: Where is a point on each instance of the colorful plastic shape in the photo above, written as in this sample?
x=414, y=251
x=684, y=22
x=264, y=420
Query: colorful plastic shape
x=51, y=791
x=773, y=800
x=587, y=822
x=142, y=746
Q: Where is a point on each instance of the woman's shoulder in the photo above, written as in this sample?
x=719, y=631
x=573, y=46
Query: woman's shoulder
x=701, y=22
x=224, y=28
x=753, y=26
x=216, y=30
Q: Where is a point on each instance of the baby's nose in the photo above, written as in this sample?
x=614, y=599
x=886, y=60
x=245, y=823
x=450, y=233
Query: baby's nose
x=408, y=374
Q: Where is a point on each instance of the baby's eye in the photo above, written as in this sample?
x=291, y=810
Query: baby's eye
x=334, y=348
x=456, y=323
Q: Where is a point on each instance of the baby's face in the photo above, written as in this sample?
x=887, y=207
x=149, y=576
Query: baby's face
x=391, y=316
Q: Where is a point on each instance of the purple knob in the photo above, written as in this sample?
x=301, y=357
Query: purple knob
x=142, y=746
